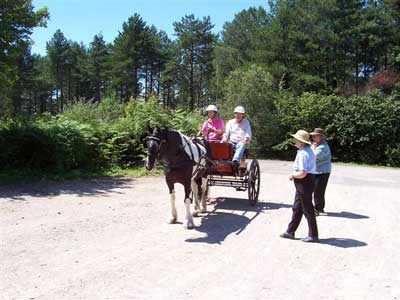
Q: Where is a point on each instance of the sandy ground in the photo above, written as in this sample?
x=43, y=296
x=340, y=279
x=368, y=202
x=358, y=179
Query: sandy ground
x=108, y=239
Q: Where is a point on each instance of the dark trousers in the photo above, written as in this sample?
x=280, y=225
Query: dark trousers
x=320, y=183
x=303, y=205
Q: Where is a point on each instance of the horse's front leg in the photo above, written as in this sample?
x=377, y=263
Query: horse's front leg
x=174, y=214
x=188, y=223
x=195, y=190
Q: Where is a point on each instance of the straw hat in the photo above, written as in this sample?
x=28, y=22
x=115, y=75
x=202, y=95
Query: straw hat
x=302, y=136
x=318, y=131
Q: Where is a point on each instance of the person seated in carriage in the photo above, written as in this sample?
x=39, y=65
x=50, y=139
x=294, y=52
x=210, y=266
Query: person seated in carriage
x=238, y=133
x=213, y=127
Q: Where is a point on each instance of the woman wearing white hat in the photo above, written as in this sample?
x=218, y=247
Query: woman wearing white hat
x=213, y=127
x=303, y=167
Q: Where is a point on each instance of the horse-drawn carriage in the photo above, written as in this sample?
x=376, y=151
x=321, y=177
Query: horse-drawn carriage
x=222, y=173
x=187, y=161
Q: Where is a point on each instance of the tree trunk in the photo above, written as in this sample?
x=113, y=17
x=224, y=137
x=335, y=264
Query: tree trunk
x=191, y=105
x=146, y=92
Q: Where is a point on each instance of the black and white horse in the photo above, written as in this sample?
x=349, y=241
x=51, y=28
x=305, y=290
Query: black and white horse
x=185, y=162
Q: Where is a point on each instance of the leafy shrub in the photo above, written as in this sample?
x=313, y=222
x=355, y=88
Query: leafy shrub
x=359, y=129
x=87, y=135
x=109, y=134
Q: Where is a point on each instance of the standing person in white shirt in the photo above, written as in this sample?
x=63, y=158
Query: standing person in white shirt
x=238, y=133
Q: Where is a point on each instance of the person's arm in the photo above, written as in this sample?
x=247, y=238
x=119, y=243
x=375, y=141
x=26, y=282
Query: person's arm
x=247, y=129
x=203, y=131
x=323, y=153
x=218, y=131
x=227, y=133
x=220, y=128
x=301, y=173
x=298, y=175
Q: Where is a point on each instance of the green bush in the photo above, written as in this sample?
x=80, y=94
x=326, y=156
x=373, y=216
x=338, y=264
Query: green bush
x=359, y=129
x=109, y=134
x=25, y=145
x=87, y=136
x=366, y=129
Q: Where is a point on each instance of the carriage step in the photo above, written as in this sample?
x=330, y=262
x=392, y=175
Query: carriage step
x=240, y=189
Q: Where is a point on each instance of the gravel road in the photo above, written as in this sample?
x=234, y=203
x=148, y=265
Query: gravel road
x=108, y=238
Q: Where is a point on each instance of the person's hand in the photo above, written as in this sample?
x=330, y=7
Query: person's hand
x=291, y=177
x=210, y=129
x=314, y=146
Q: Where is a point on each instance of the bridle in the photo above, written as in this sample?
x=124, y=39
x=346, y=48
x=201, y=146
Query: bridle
x=158, y=142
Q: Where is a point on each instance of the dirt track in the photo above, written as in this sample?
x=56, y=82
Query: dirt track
x=108, y=239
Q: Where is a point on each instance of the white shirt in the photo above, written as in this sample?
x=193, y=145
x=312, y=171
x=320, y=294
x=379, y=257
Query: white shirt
x=237, y=132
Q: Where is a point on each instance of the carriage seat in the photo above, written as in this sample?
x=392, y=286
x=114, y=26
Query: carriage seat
x=221, y=151
x=224, y=151
x=221, y=154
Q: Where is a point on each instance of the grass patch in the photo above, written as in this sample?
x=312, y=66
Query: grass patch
x=12, y=176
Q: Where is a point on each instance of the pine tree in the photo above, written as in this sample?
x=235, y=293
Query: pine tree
x=128, y=57
x=98, y=62
x=57, y=49
x=195, y=44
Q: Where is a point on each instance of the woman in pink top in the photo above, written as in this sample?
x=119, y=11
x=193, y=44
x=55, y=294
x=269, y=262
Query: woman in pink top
x=212, y=128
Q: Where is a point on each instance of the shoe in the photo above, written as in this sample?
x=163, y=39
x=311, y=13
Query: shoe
x=287, y=235
x=310, y=239
x=235, y=166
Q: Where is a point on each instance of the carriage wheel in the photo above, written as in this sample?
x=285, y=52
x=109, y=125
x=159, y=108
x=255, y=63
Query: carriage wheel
x=254, y=182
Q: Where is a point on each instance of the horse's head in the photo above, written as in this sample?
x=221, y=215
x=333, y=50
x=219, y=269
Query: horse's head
x=154, y=143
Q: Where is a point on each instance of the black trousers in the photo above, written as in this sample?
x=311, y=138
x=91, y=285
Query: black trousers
x=320, y=183
x=303, y=205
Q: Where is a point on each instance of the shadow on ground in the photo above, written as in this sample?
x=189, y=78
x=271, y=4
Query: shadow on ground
x=343, y=243
x=346, y=214
x=218, y=224
x=82, y=187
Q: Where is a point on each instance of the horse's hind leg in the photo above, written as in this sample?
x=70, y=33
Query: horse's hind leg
x=188, y=223
x=204, y=194
x=174, y=214
x=195, y=190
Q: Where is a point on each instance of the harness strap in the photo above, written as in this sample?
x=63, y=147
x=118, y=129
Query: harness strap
x=201, y=154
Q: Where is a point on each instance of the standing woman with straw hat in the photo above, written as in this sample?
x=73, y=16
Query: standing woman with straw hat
x=323, y=168
x=303, y=167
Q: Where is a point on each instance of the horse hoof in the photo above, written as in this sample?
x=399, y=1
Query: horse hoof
x=203, y=210
x=195, y=214
x=171, y=220
x=188, y=225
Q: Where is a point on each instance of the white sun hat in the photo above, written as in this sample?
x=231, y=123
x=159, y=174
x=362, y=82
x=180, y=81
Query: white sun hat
x=212, y=108
x=239, y=109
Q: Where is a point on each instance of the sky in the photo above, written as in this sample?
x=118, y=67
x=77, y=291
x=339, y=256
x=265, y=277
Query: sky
x=81, y=20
